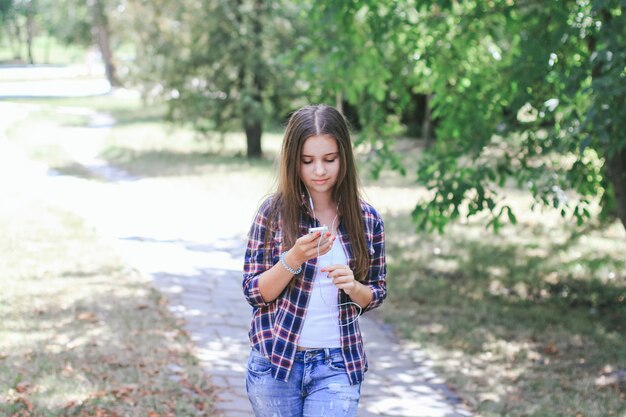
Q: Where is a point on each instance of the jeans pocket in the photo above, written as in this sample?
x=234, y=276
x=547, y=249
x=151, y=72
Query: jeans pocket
x=337, y=363
x=258, y=364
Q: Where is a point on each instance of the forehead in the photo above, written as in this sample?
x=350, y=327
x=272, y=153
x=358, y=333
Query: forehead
x=319, y=145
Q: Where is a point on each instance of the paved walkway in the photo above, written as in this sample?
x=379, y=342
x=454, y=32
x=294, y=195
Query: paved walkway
x=196, y=261
x=52, y=81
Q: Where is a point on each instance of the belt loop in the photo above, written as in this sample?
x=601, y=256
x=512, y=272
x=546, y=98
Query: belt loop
x=326, y=353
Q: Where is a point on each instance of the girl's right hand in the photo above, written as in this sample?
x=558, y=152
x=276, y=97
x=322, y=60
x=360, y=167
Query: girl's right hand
x=306, y=247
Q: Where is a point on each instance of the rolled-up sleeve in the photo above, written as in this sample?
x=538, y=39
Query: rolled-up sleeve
x=255, y=261
x=378, y=267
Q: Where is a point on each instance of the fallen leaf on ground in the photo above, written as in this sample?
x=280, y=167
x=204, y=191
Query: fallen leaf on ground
x=98, y=394
x=551, y=349
x=27, y=404
x=123, y=391
x=99, y=412
x=22, y=387
x=89, y=317
x=69, y=404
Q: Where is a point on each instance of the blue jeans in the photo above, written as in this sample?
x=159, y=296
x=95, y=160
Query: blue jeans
x=317, y=386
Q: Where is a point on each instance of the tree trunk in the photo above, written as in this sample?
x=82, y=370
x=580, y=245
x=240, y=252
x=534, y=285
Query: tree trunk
x=107, y=56
x=30, y=33
x=616, y=172
x=616, y=161
x=17, y=52
x=339, y=101
x=253, y=119
x=101, y=32
x=426, y=130
x=254, y=129
x=47, y=51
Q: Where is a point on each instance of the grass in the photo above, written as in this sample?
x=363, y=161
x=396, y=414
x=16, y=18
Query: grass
x=81, y=334
x=80, y=331
x=35, y=135
x=522, y=323
x=46, y=50
x=516, y=325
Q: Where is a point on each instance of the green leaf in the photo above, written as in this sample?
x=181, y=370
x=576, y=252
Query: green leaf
x=511, y=216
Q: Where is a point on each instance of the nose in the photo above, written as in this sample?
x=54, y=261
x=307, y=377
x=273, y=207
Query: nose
x=319, y=168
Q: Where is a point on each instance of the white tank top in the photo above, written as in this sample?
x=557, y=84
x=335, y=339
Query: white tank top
x=321, y=323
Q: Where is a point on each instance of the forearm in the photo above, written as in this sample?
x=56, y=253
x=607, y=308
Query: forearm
x=273, y=281
x=362, y=295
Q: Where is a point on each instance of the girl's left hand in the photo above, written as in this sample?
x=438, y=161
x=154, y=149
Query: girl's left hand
x=342, y=277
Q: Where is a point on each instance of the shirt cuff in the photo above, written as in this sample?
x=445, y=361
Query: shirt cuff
x=253, y=293
x=377, y=298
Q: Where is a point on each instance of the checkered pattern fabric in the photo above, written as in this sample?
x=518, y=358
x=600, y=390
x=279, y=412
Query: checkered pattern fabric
x=276, y=325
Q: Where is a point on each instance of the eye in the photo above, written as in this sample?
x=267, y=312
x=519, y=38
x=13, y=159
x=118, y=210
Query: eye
x=306, y=161
x=331, y=160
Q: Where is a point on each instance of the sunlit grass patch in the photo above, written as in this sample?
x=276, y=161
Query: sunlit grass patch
x=46, y=50
x=80, y=332
x=156, y=149
x=522, y=323
x=43, y=138
x=140, y=141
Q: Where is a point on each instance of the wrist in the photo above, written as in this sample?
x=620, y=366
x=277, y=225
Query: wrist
x=292, y=259
x=356, y=289
x=287, y=264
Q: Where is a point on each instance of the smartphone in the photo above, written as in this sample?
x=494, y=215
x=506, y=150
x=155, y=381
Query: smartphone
x=322, y=229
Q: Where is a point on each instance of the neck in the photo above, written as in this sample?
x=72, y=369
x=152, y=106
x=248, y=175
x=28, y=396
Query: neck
x=323, y=202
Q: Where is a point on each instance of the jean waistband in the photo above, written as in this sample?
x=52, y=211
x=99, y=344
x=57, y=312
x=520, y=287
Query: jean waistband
x=311, y=355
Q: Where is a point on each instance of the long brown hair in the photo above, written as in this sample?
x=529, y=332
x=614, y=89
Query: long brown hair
x=287, y=203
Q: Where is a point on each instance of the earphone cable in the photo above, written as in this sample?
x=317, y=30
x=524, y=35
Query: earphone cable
x=332, y=228
x=339, y=305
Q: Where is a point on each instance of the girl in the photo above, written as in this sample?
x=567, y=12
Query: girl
x=307, y=289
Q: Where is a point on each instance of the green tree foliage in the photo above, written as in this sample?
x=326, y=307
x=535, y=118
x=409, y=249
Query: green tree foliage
x=522, y=92
x=18, y=19
x=5, y=7
x=68, y=21
x=357, y=52
x=85, y=23
x=6, y=12
x=218, y=63
x=532, y=91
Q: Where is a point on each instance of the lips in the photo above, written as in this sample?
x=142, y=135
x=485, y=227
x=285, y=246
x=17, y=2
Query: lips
x=319, y=182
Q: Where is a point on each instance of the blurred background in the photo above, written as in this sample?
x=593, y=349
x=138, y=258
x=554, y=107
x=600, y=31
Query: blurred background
x=491, y=135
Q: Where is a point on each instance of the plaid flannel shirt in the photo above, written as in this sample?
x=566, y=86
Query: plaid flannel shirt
x=276, y=325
